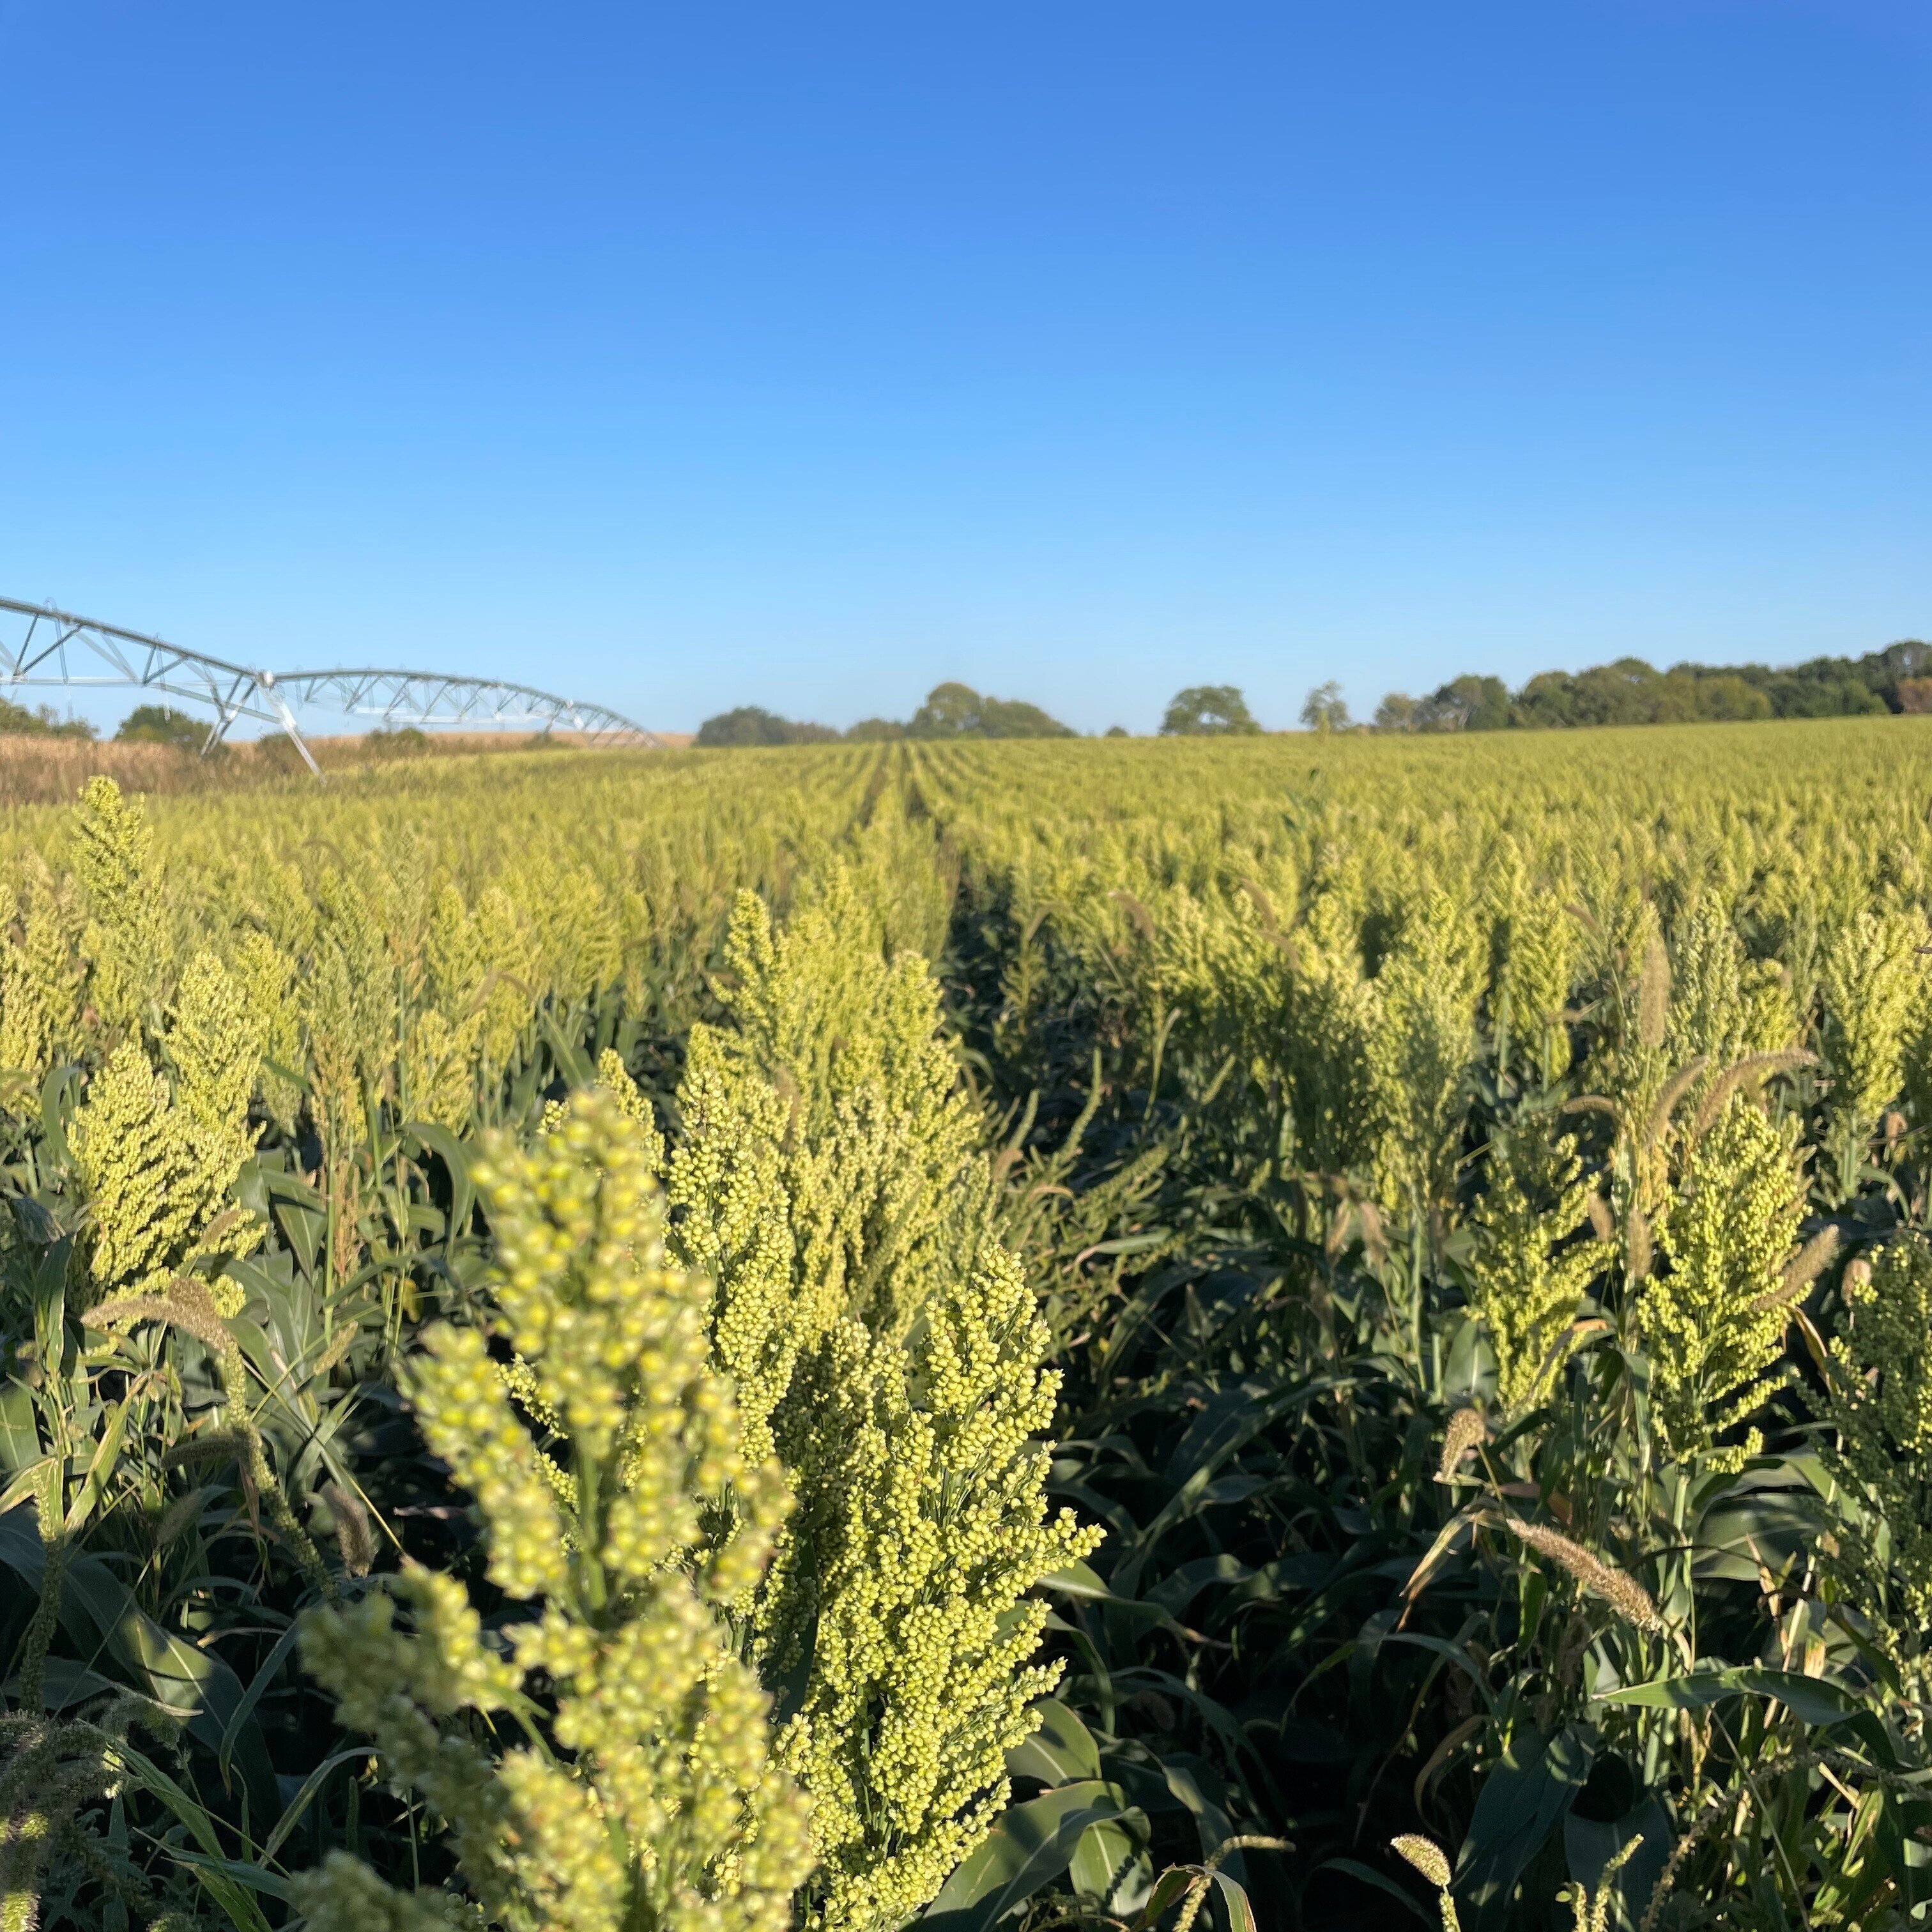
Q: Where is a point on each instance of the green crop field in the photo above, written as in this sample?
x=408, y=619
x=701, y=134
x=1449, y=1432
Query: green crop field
x=1108, y=1334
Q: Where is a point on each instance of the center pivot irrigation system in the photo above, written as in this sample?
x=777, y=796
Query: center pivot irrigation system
x=41, y=645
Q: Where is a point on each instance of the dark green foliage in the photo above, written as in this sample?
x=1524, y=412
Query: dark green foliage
x=1630, y=691
x=43, y=721
x=1824, y=688
x=1325, y=709
x=1466, y=703
x=753, y=725
x=1209, y=710
x=402, y=741
x=958, y=711
x=950, y=711
x=162, y=724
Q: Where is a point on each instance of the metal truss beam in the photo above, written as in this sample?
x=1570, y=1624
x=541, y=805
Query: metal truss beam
x=431, y=697
x=42, y=646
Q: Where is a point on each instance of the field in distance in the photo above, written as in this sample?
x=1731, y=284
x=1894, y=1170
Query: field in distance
x=1458, y=1207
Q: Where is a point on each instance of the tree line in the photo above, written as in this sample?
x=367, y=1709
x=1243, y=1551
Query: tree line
x=951, y=710
x=146, y=724
x=954, y=710
x=1630, y=691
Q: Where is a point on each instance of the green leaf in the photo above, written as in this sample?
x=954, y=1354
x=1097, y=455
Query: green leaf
x=1176, y=1591
x=254, y=1878
x=237, y=1904
x=292, y=1813
x=1226, y=1427
x=572, y=1063
x=152, y=1778
x=50, y=1311
x=1469, y=1375
x=302, y=1214
x=1102, y=1866
x=1137, y=1317
x=1589, y=1845
x=58, y=1092
x=1061, y=1750
x=1170, y=1888
x=20, y=1439
x=1234, y=1903
x=100, y=1466
x=1455, y=1653
x=1521, y=1802
x=238, y=1719
x=1198, y=1786
x=1029, y=1848
x=1081, y=1579
x=99, y=1616
x=1813, y=1700
x=1130, y=1244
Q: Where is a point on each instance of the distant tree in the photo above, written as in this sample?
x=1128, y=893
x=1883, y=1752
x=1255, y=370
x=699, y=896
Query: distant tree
x=162, y=724
x=749, y=724
x=1883, y=671
x=1015, y=718
x=1725, y=696
x=874, y=731
x=953, y=710
x=43, y=721
x=1325, y=709
x=1622, y=692
x=1628, y=691
x=753, y=725
x=1546, y=702
x=400, y=741
x=1833, y=690
x=1114, y=731
x=1488, y=700
x=1209, y=710
x=1465, y=703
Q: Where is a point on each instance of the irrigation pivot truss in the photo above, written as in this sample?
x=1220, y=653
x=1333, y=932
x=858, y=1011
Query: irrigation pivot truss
x=42, y=646
x=431, y=697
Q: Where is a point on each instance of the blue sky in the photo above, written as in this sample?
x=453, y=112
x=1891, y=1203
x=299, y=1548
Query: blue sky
x=806, y=354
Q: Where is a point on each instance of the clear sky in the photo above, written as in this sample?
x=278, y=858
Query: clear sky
x=807, y=354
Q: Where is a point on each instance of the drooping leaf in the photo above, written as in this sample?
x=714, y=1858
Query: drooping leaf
x=100, y=1616
x=1521, y=1802
x=1815, y=1700
x=1031, y=1847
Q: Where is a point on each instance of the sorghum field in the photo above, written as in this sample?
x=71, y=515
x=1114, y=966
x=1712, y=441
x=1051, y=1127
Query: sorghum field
x=1296, y=1332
